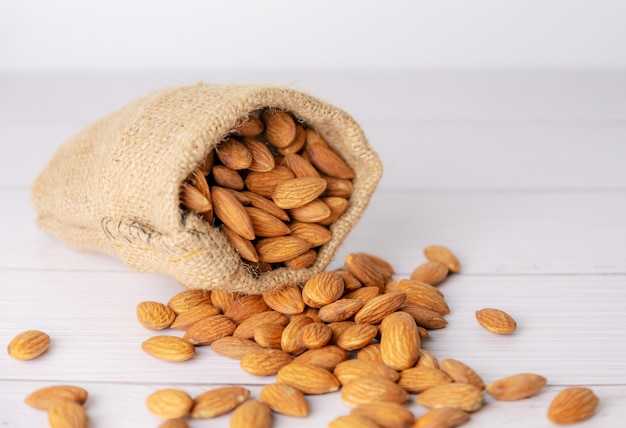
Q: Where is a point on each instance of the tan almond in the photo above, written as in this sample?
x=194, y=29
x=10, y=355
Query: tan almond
x=399, y=341
x=302, y=261
x=262, y=157
x=265, y=224
x=222, y=299
x=462, y=396
x=169, y=403
x=67, y=414
x=432, y=273
x=269, y=335
x=251, y=126
x=349, y=370
x=44, y=398
x=461, y=372
x=308, y=378
x=155, y=315
x=280, y=128
x=267, y=205
x=443, y=255
x=28, y=345
x=244, y=246
x=350, y=282
x=364, y=390
x=338, y=328
x=365, y=271
x=175, y=423
x=287, y=300
x=338, y=187
x=340, y=310
x=300, y=166
x=322, y=289
x=516, y=387
x=314, y=335
x=297, y=144
x=209, y=329
x=370, y=353
x=233, y=154
x=357, y=336
x=245, y=306
x=289, y=340
x=218, y=401
x=193, y=315
x=234, y=347
x=337, y=207
x=379, y=307
x=284, y=399
x=385, y=414
x=281, y=248
x=314, y=212
x=198, y=179
x=298, y=192
x=496, y=321
x=227, y=178
x=246, y=328
x=194, y=200
x=264, y=183
x=446, y=417
x=327, y=357
x=168, y=348
x=230, y=211
x=424, y=317
x=418, y=379
x=381, y=263
x=329, y=162
x=422, y=294
x=314, y=234
x=353, y=421
x=364, y=294
x=265, y=362
x=572, y=404
x=251, y=414
x=427, y=359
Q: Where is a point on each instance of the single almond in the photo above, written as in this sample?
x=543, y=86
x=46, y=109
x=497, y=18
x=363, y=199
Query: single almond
x=234, y=347
x=262, y=157
x=349, y=370
x=155, y=315
x=431, y=273
x=386, y=414
x=227, y=178
x=249, y=127
x=284, y=399
x=340, y=310
x=193, y=315
x=418, y=379
x=461, y=372
x=281, y=248
x=308, y=378
x=222, y=299
x=297, y=144
x=357, y=336
x=243, y=246
x=427, y=359
x=424, y=317
x=28, y=345
x=364, y=294
x=446, y=417
x=443, y=255
x=312, y=137
x=209, y=329
x=462, y=396
x=169, y=403
x=370, y=353
x=353, y=421
x=168, y=348
x=572, y=404
x=67, y=414
x=350, y=281
x=338, y=328
x=313, y=212
x=381, y=263
x=267, y=205
x=298, y=192
x=230, y=211
x=399, y=341
x=314, y=234
x=264, y=183
x=246, y=328
x=300, y=166
x=241, y=197
x=302, y=261
x=269, y=335
x=44, y=398
x=289, y=340
x=337, y=207
x=280, y=128
x=322, y=288
x=198, y=179
x=194, y=200
x=422, y=294
x=364, y=390
x=314, y=335
x=516, y=387
x=187, y=299
x=234, y=154
x=287, y=300
x=265, y=362
x=327, y=357
x=365, y=270
x=496, y=321
x=379, y=307
x=251, y=414
x=329, y=162
x=218, y=401
x=338, y=187
x=265, y=224
x=243, y=307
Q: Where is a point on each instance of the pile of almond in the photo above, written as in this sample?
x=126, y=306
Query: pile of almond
x=274, y=186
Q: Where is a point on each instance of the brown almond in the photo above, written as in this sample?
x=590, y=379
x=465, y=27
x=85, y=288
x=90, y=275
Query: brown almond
x=496, y=321
x=312, y=137
x=322, y=289
x=193, y=315
x=381, y=263
x=281, y=248
x=516, y=387
x=227, y=178
x=298, y=192
x=370, y=353
x=297, y=144
x=443, y=255
x=222, y=299
x=209, y=329
x=364, y=390
x=265, y=224
x=422, y=294
x=399, y=341
x=218, y=401
x=44, y=398
x=462, y=396
x=340, y=310
x=308, y=378
x=572, y=404
x=246, y=328
x=365, y=271
x=314, y=335
x=206, y=164
x=234, y=154
x=284, y=399
x=338, y=187
x=194, y=200
x=265, y=362
x=349, y=370
x=379, y=307
x=269, y=335
x=264, y=183
x=287, y=300
x=230, y=211
x=431, y=273
x=28, y=345
x=280, y=128
x=302, y=261
x=198, y=179
x=446, y=417
x=67, y=414
x=312, y=233
x=169, y=403
x=329, y=162
x=353, y=421
x=251, y=414
x=327, y=357
x=418, y=379
x=168, y=348
x=243, y=246
x=427, y=359
x=364, y=294
x=337, y=207
x=338, y=328
x=244, y=199
x=424, y=317
x=357, y=336
x=289, y=340
x=313, y=212
x=385, y=414
x=245, y=306
x=262, y=157
x=461, y=372
x=234, y=347
x=300, y=166
x=249, y=127
x=350, y=282
x=267, y=205
x=155, y=315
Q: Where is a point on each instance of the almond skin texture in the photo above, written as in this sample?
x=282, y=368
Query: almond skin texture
x=418, y=379
x=350, y=370
x=265, y=224
x=322, y=289
x=446, y=417
x=400, y=341
x=234, y=154
x=28, y=345
x=251, y=414
x=289, y=340
x=572, y=405
x=385, y=414
x=265, y=362
x=232, y=212
x=249, y=127
x=208, y=330
x=298, y=192
x=262, y=158
x=352, y=421
x=327, y=357
x=284, y=399
x=234, y=347
x=370, y=353
x=314, y=335
x=315, y=211
x=267, y=205
x=169, y=403
x=280, y=128
x=188, y=318
x=264, y=183
x=169, y=348
x=432, y=273
x=155, y=315
x=187, y=299
x=365, y=271
x=269, y=335
x=516, y=387
x=443, y=255
x=377, y=308
x=218, y=401
x=357, y=336
x=329, y=162
x=340, y=310
x=308, y=378
x=246, y=328
x=314, y=234
x=462, y=373
x=281, y=248
x=287, y=300
x=496, y=321
x=194, y=200
x=67, y=414
x=44, y=398
x=424, y=317
x=462, y=396
x=244, y=307
x=244, y=247
x=372, y=390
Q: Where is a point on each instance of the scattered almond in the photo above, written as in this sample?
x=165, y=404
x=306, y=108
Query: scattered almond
x=218, y=401
x=572, y=405
x=155, y=315
x=28, y=345
x=441, y=254
x=308, y=378
x=399, y=341
x=446, y=417
x=251, y=414
x=284, y=399
x=385, y=414
x=496, y=321
x=265, y=362
x=169, y=403
x=462, y=396
x=168, y=348
x=44, y=398
x=372, y=390
x=67, y=414
x=516, y=387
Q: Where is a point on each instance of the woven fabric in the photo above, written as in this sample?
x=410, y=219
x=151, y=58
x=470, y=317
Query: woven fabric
x=114, y=187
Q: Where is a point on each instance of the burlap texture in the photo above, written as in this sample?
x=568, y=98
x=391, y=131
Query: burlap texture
x=114, y=187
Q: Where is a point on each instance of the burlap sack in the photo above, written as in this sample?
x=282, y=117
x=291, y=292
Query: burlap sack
x=114, y=187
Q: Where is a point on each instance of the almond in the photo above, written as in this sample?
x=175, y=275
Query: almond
x=338, y=328
x=281, y=248
x=169, y=403
x=244, y=246
x=228, y=178
x=209, y=329
x=431, y=273
x=269, y=335
x=427, y=359
x=329, y=162
x=289, y=340
x=308, y=378
x=218, y=401
x=234, y=347
x=350, y=281
x=516, y=387
x=370, y=353
x=322, y=289
x=266, y=225
x=168, y=348
x=262, y=157
x=222, y=299
x=287, y=300
x=312, y=233
x=338, y=187
x=496, y=321
x=357, y=336
x=365, y=271
x=297, y=144
x=206, y=164
x=67, y=414
x=284, y=399
x=185, y=300
x=337, y=207
x=399, y=341
x=379, y=307
x=349, y=370
x=314, y=212
x=297, y=192
x=572, y=405
x=424, y=317
x=234, y=154
x=353, y=421
x=327, y=357
x=265, y=362
x=422, y=294
x=418, y=379
x=312, y=137
x=280, y=128
x=302, y=261
x=194, y=200
x=267, y=205
x=381, y=263
x=314, y=335
x=462, y=373
x=312, y=313
x=174, y=423
x=446, y=417
x=340, y=310
x=251, y=414
x=44, y=398
x=193, y=315
x=249, y=127
x=364, y=294
x=462, y=396
x=243, y=307
x=372, y=390
x=441, y=254
x=247, y=327
x=28, y=345
x=155, y=315
x=264, y=183
x=385, y=414
x=300, y=166
x=231, y=212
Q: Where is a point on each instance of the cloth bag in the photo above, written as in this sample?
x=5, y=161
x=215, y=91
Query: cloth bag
x=114, y=187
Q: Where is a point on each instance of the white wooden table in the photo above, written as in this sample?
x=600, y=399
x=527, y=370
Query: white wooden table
x=523, y=175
